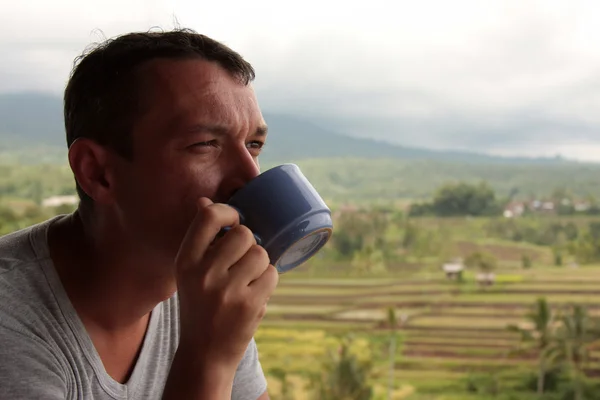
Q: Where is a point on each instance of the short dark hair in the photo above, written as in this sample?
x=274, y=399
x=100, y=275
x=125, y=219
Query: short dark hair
x=101, y=99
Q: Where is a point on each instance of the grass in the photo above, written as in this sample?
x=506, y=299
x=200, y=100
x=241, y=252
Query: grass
x=286, y=309
x=375, y=314
x=503, y=298
x=450, y=321
x=451, y=330
x=458, y=341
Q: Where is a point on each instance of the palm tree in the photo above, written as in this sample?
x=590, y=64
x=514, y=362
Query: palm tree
x=343, y=377
x=392, y=322
x=539, y=338
x=571, y=343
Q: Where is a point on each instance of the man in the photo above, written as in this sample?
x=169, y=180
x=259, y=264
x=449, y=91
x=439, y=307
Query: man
x=131, y=296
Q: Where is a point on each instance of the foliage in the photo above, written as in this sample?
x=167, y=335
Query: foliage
x=392, y=322
x=538, y=338
x=460, y=199
x=356, y=231
x=343, y=376
x=576, y=332
x=35, y=182
x=355, y=180
x=383, y=240
x=483, y=383
x=12, y=220
x=526, y=261
x=539, y=231
x=562, y=345
x=483, y=261
x=287, y=388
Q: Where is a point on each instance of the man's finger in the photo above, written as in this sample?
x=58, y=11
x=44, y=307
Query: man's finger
x=265, y=284
x=249, y=267
x=209, y=220
x=232, y=248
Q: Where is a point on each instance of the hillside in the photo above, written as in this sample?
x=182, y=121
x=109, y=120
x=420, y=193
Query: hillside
x=30, y=120
x=343, y=168
x=354, y=180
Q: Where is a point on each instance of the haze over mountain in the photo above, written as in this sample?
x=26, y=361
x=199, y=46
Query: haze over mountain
x=343, y=168
x=31, y=120
x=503, y=77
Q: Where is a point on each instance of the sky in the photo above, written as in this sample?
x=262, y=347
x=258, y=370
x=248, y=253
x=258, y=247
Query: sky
x=501, y=77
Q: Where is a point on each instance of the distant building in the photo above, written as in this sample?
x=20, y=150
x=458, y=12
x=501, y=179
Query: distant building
x=453, y=270
x=514, y=209
x=548, y=206
x=56, y=201
x=485, y=278
x=581, y=205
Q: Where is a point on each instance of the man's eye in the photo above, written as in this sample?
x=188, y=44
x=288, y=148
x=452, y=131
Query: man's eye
x=208, y=143
x=256, y=144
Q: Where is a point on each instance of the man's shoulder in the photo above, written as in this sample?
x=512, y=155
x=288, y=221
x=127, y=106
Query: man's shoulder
x=16, y=248
x=24, y=288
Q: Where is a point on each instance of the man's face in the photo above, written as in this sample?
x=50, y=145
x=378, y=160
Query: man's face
x=199, y=136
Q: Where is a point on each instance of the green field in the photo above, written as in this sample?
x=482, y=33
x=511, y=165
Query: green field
x=447, y=334
x=452, y=337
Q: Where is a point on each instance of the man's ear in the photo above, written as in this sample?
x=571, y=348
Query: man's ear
x=89, y=162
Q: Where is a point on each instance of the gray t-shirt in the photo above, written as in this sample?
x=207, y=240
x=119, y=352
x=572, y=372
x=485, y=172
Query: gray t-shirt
x=46, y=353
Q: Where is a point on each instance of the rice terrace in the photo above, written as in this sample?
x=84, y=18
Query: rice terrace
x=448, y=333
x=467, y=295
x=453, y=334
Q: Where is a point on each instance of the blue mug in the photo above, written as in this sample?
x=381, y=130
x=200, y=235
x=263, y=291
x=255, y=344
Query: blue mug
x=286, y=215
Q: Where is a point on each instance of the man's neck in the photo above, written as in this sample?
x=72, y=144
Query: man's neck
x=112, y=287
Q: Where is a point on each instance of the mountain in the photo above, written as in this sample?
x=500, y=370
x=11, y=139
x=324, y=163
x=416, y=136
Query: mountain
x=31, y=117
x=342, y=168
x=294, y=138
x=30, y=121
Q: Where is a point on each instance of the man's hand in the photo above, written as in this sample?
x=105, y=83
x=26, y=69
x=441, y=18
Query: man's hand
x=223, y=288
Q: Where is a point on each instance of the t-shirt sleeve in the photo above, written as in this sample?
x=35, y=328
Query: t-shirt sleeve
x=249, y=382
x=28, y=369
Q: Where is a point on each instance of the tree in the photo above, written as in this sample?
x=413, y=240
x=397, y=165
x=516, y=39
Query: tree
x=570, y=345
x=464, y=199
x=482, y=261
x=558, y=258
x=392, y=323
x=587, y=246
x=460, y=199
x=526, y=261
x=369, y=260
x=357, y=232
x=343, y=376
x=540, y=338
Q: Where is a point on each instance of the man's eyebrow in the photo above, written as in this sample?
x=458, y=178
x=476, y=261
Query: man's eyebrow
x=209, y=128
x=260, y=131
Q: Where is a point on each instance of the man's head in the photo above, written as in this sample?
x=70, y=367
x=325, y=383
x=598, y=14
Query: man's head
x=156, y=120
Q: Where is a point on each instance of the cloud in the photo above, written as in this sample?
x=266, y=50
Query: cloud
x=498, y=76
x=529, y=83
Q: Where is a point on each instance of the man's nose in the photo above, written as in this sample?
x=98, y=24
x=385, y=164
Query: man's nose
x=243, y=168
x=247, y=166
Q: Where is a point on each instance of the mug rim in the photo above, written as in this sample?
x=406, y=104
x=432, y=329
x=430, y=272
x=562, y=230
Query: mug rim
x=285, y=229
x=304, y=259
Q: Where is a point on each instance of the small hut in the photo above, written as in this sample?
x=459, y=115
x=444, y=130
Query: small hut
x=485, y=278
x=453, y=270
